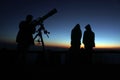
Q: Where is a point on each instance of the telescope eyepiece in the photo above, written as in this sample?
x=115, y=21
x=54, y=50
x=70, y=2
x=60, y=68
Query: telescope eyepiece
x=46, y=32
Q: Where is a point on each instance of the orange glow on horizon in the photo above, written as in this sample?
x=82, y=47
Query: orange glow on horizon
x=107, y=46
x=97, y=46
x=61, y=45
x=67, y=45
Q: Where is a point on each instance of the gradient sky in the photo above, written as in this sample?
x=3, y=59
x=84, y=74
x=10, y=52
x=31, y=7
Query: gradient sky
x=102, y=15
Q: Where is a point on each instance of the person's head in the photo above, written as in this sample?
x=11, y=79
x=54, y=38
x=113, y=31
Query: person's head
x=77, y=26
x=29, y=18
x=88, y=27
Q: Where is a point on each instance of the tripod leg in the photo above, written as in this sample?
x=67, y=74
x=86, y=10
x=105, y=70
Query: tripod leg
x=42, y=43
x=43, y=55
x=35, y=37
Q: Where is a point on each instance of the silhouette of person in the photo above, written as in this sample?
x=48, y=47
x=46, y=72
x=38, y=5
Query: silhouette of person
x=89, y=40
x=76, y=35
x=24, y=37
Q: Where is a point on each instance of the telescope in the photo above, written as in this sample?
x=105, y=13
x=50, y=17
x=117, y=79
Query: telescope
x=39, y=22
x=41, y=19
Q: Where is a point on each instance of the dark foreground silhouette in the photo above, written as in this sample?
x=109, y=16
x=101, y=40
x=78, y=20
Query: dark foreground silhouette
x=61, y=57
x=76, y=35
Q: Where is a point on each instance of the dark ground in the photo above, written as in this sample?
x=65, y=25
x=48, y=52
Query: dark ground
x=53, y=61
x=61, y=57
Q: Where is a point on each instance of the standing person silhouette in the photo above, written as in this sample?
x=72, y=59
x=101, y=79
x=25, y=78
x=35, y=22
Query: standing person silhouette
x=24, y=37
x=89, y=41
x=76, y=35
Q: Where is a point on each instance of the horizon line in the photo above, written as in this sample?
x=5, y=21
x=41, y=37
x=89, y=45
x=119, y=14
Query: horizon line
x=63, y=45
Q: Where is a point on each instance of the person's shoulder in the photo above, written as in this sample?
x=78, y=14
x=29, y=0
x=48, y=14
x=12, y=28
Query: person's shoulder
x=85, y=31
x=22, y=22
x=92, y=32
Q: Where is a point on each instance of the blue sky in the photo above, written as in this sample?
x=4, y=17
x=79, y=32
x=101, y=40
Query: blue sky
x=102, y=15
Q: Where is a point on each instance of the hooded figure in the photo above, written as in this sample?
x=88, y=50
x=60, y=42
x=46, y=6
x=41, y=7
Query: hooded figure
x=89, y=38
x=76, y=35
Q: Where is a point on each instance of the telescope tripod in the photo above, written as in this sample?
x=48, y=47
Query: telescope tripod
x=40, y=40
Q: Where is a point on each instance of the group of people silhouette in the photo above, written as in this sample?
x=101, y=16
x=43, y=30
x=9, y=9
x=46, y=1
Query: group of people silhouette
x=25, y=38
x=88, y=38
x=88, y=41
